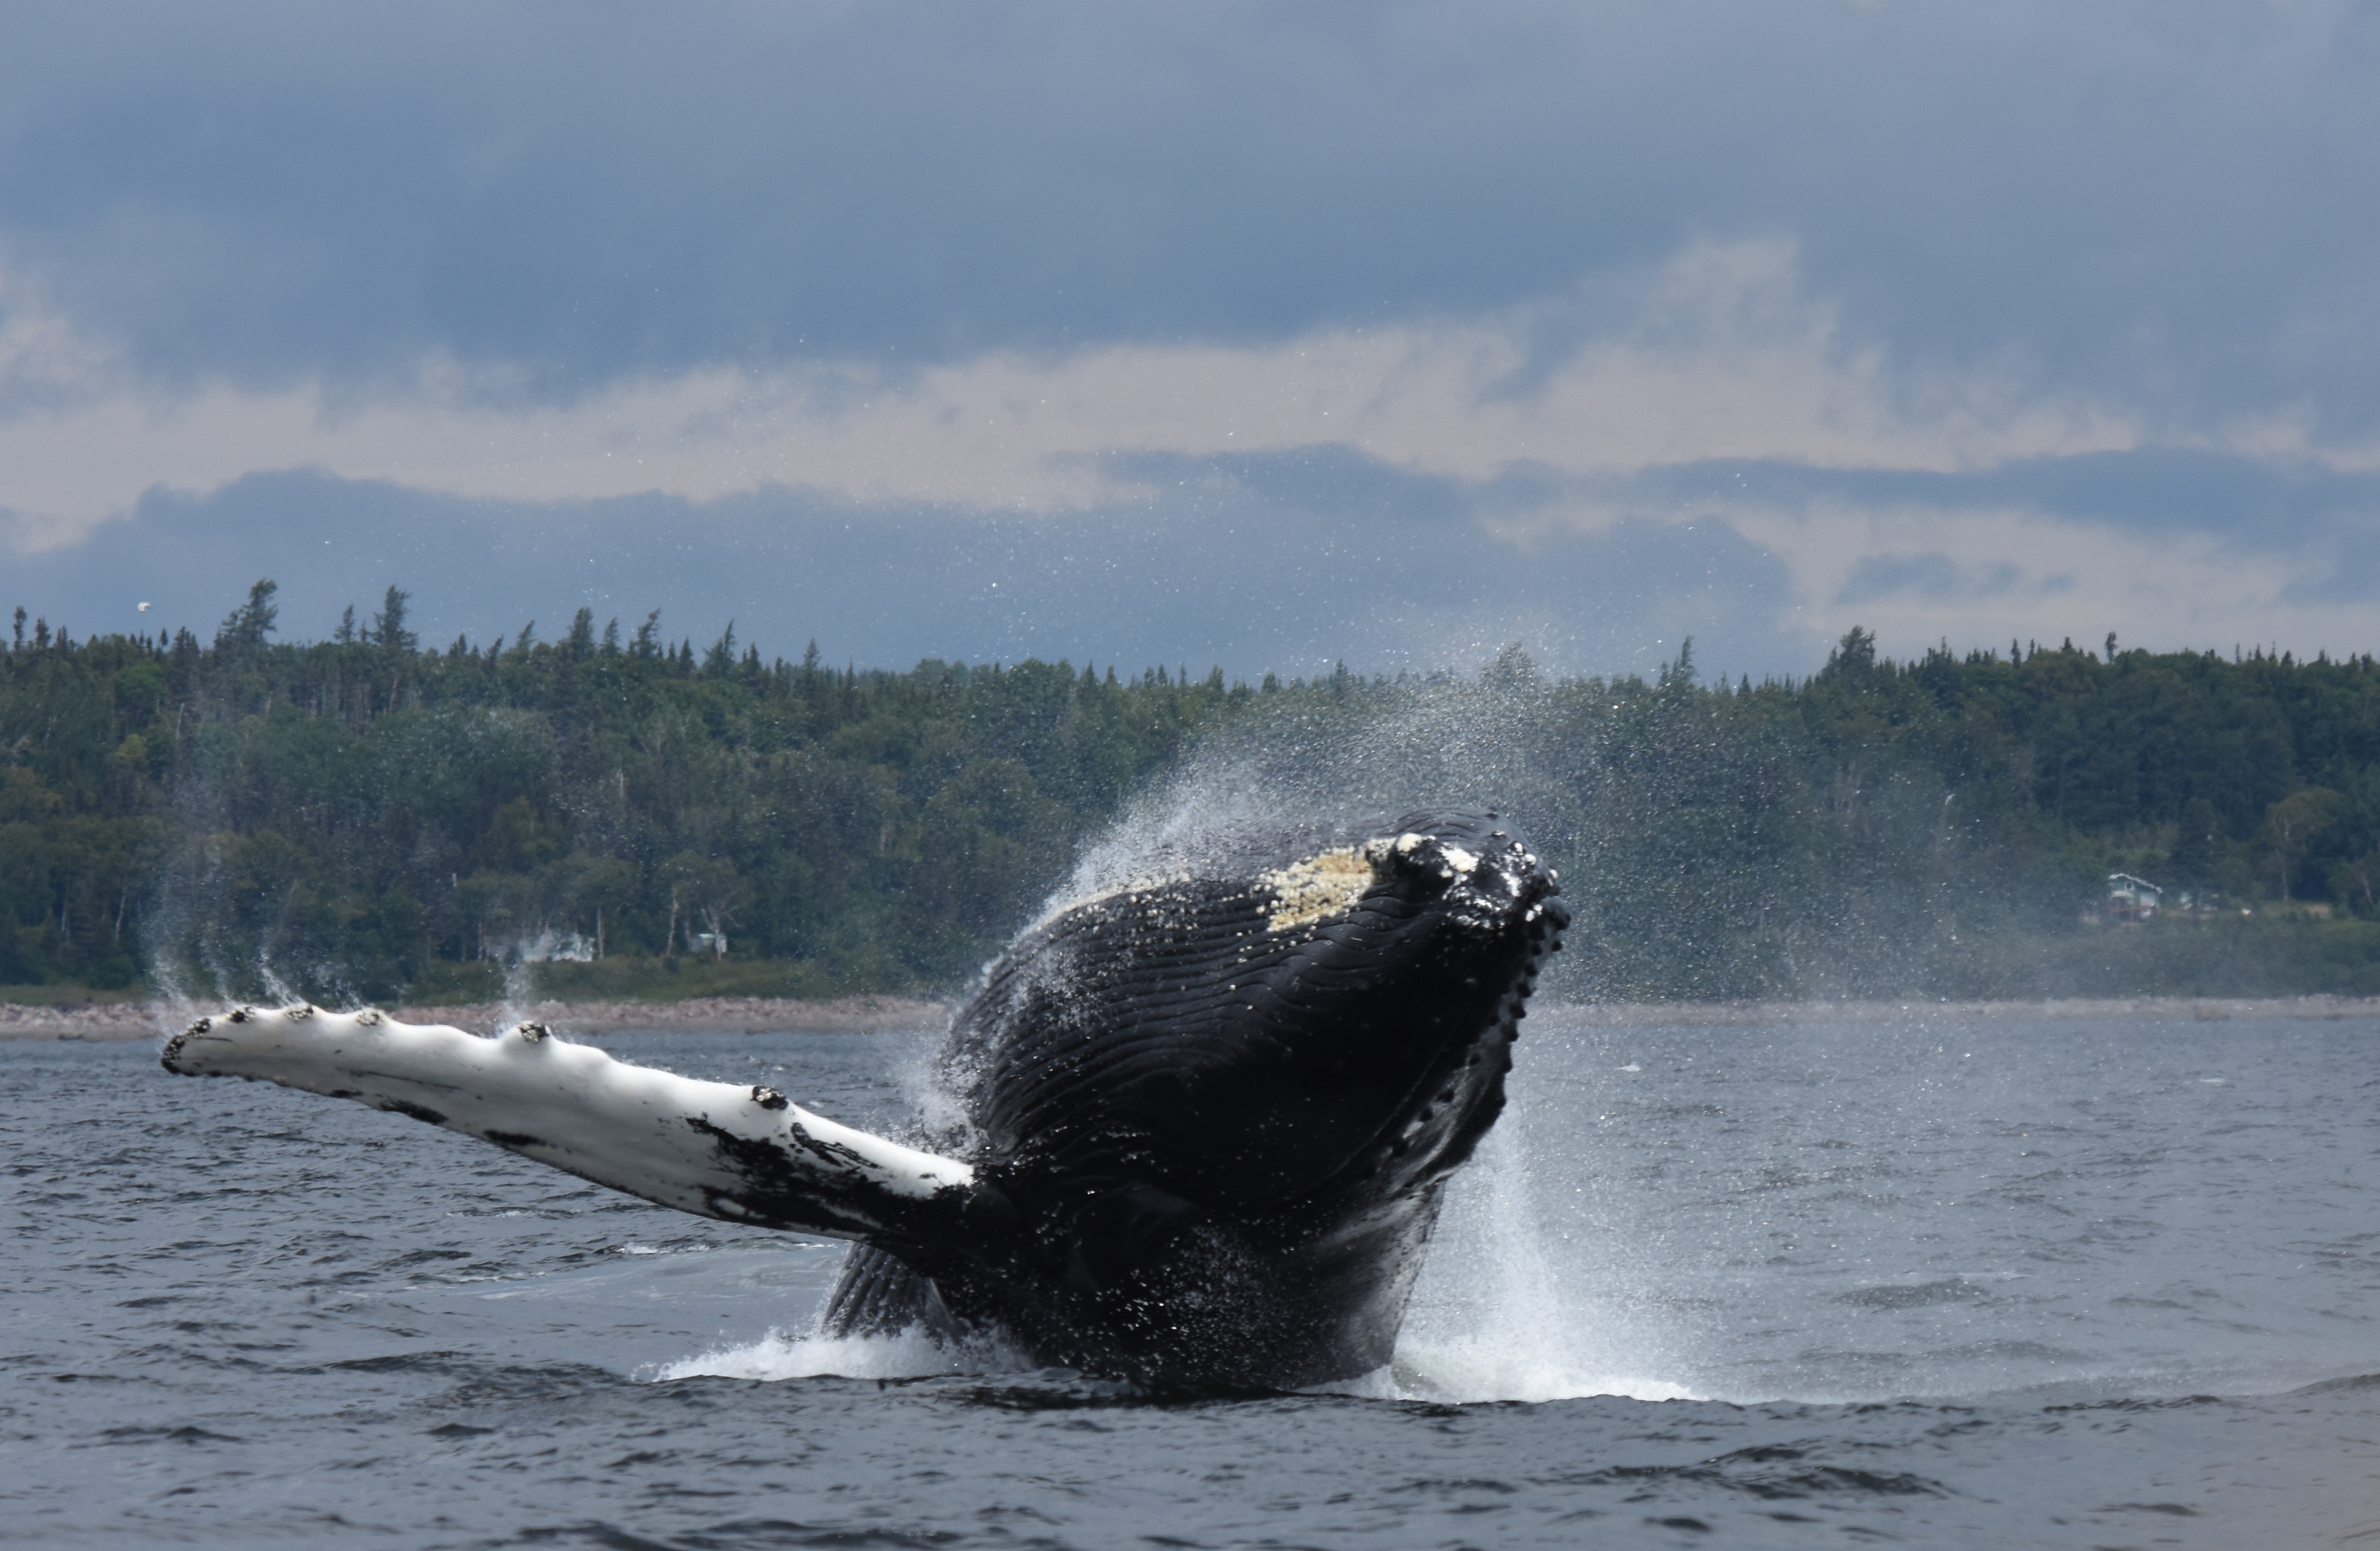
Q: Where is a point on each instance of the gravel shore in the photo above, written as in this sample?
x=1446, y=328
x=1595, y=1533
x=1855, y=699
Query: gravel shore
x=741, y=1015
x=2064, y=1009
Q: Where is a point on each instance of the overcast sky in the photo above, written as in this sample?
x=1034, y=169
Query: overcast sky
x=1259, y=335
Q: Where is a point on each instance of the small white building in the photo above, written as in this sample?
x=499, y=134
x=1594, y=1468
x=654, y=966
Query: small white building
x=2131, y=898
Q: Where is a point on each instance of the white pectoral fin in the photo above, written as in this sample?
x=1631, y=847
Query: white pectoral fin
x=744, y=1155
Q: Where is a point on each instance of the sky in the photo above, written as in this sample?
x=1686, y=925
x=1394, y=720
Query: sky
x=1260, y=336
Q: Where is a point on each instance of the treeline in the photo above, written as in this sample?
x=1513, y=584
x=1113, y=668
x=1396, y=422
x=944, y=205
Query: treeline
x=362, y=816
x=1947, y=826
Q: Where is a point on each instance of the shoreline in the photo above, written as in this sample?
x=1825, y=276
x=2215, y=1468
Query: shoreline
x=2057, y=1009
x=699, y=1015
x=752, y=1015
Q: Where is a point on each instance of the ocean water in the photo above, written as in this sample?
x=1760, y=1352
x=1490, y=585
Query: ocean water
x=2057, y=1284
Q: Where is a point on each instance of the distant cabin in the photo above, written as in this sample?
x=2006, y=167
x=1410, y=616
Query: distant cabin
x=2131, y=898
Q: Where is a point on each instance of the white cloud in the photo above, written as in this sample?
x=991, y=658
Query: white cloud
x=2025, y=575
x=2289, y=434
x=1725, y=358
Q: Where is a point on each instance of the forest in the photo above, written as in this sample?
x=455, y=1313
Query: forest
x=366, y=817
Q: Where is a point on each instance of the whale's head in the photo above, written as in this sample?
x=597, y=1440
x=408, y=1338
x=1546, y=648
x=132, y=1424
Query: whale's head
x=1296, y=1045
x=1392, y=971
x=1325, y=1010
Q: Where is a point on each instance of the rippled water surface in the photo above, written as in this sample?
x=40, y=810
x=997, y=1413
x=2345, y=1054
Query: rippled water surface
x=2054, y=1284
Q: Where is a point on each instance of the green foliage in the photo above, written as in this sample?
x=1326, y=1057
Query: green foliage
x=1946, y=826
x=360, y=817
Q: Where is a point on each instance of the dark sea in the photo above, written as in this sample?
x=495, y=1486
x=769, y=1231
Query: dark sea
x=2057, y=1284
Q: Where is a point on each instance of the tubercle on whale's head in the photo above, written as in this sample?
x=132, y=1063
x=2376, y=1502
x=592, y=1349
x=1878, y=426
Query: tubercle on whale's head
x=1460, y=888
x=1492, y=885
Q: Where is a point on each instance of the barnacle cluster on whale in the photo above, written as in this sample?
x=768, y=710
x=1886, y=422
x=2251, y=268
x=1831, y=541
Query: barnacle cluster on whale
x=1208, y=1112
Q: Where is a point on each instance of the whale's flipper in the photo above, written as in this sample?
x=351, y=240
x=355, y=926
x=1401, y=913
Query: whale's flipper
x=739, y=1154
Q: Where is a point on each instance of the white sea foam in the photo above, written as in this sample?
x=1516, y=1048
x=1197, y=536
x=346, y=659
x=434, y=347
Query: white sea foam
x=1494, y=1371
x=779, y=1355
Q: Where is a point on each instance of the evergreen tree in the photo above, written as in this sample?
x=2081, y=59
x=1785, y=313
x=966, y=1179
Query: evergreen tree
x=388, y=629
x=246, y=627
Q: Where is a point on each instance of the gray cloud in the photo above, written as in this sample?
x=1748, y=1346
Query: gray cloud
x=1932, y=575
x=2170, y=203
x=1284, y=565
x=2254, y=502
x=1286, y=562
x=1540, y=265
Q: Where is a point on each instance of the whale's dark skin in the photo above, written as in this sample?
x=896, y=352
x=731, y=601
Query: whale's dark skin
x=1211, y=1148
x=1209, y=1115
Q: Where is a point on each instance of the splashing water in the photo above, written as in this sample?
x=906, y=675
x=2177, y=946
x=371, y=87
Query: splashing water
x=277, y=990
x=1451, y=744
x=1493, y=1319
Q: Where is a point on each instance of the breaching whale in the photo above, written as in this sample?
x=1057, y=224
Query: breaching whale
x=1208, y=1113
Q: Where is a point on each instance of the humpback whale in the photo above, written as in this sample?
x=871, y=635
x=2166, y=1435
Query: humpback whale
x=1207, y=1113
